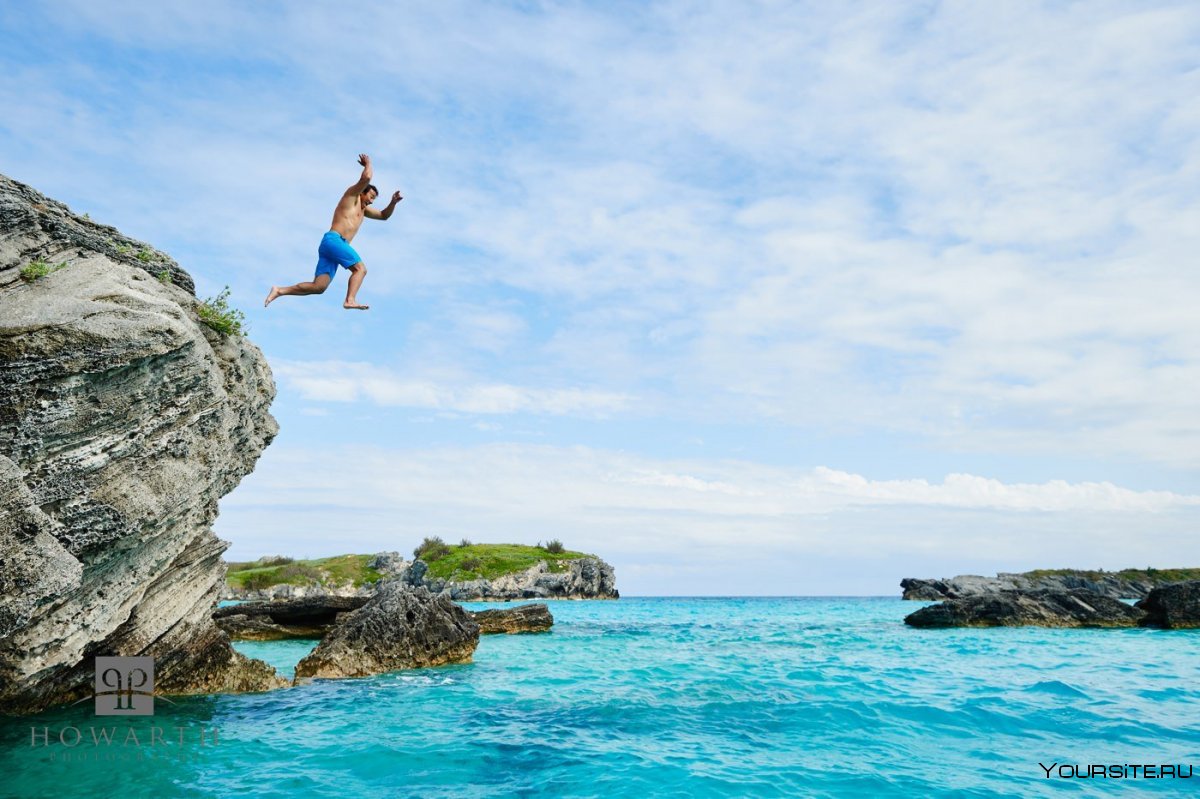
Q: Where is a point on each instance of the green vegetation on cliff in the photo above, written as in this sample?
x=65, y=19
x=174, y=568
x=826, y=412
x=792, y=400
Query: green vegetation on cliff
x=278, y=570
x=465, y=561
x=490, y=561
x=1149, y=575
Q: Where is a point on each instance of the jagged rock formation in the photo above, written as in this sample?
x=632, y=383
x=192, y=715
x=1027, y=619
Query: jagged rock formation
x=122, y=421
x=1079, y=608
x=1117, y=585
x=532, y=618
x=399, y=628
x=584, y=578
x=1173, y=607
x=308, y=617
x=313, y=617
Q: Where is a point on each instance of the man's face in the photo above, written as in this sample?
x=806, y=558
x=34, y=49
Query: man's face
x=369, y=196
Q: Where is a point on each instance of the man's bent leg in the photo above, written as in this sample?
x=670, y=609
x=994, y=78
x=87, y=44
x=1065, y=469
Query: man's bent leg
x=315, y=286
x=357, y=273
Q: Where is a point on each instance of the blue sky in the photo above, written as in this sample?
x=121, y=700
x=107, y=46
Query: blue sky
x=748, y=298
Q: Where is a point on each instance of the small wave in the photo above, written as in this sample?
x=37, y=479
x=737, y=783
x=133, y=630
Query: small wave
x=1056, y=688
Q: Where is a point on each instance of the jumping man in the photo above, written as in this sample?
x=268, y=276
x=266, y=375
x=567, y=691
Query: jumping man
x=335, y=249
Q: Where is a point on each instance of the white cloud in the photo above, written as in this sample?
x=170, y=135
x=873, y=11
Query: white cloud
x=708, y=525
x=972, y=223
x=337, y=381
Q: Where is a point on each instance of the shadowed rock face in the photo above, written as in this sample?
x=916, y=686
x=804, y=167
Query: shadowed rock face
x=399, y=628
x=122, y=422
x=1115, y=586
x=1175, y=606
x=534, y=618
x=307, y=617
x=1028, y=608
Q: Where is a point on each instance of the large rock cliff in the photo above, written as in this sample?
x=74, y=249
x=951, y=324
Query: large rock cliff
x=123, y=420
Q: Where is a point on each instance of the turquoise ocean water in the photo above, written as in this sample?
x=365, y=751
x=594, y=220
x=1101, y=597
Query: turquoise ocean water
x=649, y=697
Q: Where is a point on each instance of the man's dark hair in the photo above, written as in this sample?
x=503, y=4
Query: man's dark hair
x=371, y=187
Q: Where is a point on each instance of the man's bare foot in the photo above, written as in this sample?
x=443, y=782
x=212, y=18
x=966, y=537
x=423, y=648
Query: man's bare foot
x=271, y=297
x=354, y=306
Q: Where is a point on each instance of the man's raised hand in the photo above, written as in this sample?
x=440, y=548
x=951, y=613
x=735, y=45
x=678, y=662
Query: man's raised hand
x=364, y=159
x=396, y=197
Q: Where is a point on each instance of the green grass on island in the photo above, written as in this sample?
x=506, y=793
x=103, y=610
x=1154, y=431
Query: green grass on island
x=489, y=561
x=278, y=570
x=457, y=563
x=1150, y=575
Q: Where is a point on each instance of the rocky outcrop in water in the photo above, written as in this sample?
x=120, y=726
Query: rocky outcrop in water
x=532, y=618
x=308, y=617
x=1173, y=607
x=582, y=578
x=1078, y=608
x=122, y=421
x=313, y=617
x=1117, y=585
x=399, y=628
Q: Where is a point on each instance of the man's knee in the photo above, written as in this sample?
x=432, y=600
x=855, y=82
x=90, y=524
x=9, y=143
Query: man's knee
x=359, y=268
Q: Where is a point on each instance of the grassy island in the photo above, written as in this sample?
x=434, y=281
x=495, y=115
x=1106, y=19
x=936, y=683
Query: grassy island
x=465, y=561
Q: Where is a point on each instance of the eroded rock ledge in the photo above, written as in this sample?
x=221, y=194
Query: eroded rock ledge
x=122, y=421
x=314, y=617
x=1175, y=606
x=1124, y=584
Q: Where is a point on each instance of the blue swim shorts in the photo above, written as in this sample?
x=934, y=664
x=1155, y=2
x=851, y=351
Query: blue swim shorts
x=333, y=252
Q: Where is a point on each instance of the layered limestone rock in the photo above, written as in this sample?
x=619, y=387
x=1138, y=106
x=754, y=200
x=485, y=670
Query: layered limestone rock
x=1079, y=608
x=532, y=618
x=313, y=617
x=582, y=578
x=1110, y=584
x=401, y=627
x=1173, y=607
x=123, y=420
x=307, y=617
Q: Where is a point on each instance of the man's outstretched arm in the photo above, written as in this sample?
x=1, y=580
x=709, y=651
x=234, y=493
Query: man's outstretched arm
x=386, y=213
x=363, y=181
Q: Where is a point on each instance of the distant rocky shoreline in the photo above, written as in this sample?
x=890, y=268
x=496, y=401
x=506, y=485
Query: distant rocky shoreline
x=577, y=578
x=1172, y=607
x=1125, y=584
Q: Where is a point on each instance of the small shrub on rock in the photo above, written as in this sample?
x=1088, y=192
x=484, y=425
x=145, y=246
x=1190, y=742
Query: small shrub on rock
x=216, y=313
x=299, y=573
x=554, y=547
x=431, y=549
x=259, y=581
x=39, y=268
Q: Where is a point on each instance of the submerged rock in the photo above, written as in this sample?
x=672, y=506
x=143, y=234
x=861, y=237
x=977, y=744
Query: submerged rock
x=401, y=627
x=532, y=618
x=123, y=420
x=1175, y=606
x=1078, y=608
